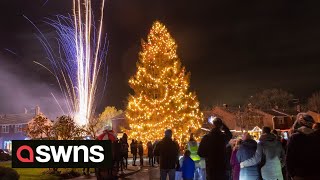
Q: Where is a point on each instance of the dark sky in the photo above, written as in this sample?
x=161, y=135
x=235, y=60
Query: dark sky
x=232, y=48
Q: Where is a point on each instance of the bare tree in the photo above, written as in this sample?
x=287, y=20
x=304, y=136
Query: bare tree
x=271, y=98
x=40, y=127
x=94, y=126
x=65, y=128
x=248, y=119
x=314, y=102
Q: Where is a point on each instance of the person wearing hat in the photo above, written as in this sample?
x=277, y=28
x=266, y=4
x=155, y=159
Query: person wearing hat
x=168, y=151
x=303, y=150
x=107, y=134
x=213, y=148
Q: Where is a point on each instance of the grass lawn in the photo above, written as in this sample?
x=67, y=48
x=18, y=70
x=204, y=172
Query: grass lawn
x=37, y=173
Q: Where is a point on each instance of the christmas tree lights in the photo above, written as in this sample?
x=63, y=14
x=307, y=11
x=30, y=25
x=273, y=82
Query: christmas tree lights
x=161, y=99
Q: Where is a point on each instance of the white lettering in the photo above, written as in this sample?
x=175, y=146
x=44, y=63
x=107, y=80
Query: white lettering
x=61, y=152
x=96, y=153
x=42, y=153
x=76, y=153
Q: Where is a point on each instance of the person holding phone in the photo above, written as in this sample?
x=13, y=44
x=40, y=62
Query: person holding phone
x=213, y=148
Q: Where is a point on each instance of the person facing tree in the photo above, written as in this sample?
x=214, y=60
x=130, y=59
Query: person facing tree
x=303, y=150
x=140, y=148
x=213, y=148
x=246, y=151
x=134, y=151
x=271, y=149
x=168, y=151
x=150, y=153
x=124, y=150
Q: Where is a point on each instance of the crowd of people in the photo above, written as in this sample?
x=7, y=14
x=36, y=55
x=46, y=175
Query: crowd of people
x=221, y=156
x=271, y=157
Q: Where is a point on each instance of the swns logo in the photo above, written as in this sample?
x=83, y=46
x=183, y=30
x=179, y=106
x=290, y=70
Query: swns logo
x=61, y=154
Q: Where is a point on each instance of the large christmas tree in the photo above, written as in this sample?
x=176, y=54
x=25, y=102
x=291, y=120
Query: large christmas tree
x=161, y=99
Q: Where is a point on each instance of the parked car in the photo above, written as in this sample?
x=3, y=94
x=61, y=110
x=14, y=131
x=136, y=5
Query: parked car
x=4, y=155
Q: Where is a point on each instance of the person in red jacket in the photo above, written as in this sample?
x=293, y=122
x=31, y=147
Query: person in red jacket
x=108, y=134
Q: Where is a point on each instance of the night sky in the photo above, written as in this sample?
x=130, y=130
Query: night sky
x=232, y=48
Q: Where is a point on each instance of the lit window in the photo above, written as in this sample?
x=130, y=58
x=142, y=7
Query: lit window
x=17, y=128
x=5, y=129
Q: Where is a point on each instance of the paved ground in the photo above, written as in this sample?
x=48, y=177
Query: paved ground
x=146, y=173
x=133, y=172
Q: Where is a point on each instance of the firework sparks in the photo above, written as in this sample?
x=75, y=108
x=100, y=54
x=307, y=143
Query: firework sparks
x=80, y=58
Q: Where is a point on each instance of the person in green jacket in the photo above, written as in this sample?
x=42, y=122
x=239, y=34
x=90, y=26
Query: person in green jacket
x=192, y=146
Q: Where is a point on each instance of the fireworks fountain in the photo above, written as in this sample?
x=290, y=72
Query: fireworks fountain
x=79, y=65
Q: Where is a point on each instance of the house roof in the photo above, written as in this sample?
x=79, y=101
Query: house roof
x=278, y=112
x=120, y=116
x=274, y=112
x=290, y=112
x=16, y=118
x=120, y=121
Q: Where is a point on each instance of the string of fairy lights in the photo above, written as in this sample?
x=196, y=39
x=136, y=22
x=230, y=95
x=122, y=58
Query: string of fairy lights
x=161, y=99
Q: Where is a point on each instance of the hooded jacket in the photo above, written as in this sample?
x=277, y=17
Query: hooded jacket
x=269, y=149
x=303, y=154
x=246, y=151
x=188, y=167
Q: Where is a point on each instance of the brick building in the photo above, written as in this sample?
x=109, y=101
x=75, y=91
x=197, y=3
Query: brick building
x=240, y=119
x=277, y=119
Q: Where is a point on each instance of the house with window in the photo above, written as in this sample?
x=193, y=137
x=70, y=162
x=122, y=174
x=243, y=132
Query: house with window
x=120, y=123
x=238, y=119
x=12, y=125
x=278, y=119
x=229, y=115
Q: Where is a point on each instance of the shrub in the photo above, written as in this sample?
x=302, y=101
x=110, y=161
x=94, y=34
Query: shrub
x=69, y=174
x=8, y=174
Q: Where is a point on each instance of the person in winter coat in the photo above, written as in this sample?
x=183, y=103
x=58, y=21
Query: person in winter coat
x=192, y=146
x=118, y=156
x=213, y=148
x=246, y=151
x=109, y=134
x=228, y=165
x=270, y=153
x=168, y=152
x=188, y=166
x=155, y=158
x=134, y=151
x=303, y=150
x=275, y=133
x=124, y=150
x=140, y=148
x=150, y=153
x=235, y=164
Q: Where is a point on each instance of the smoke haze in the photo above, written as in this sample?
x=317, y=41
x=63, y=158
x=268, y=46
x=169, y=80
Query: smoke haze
x=22, y=90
